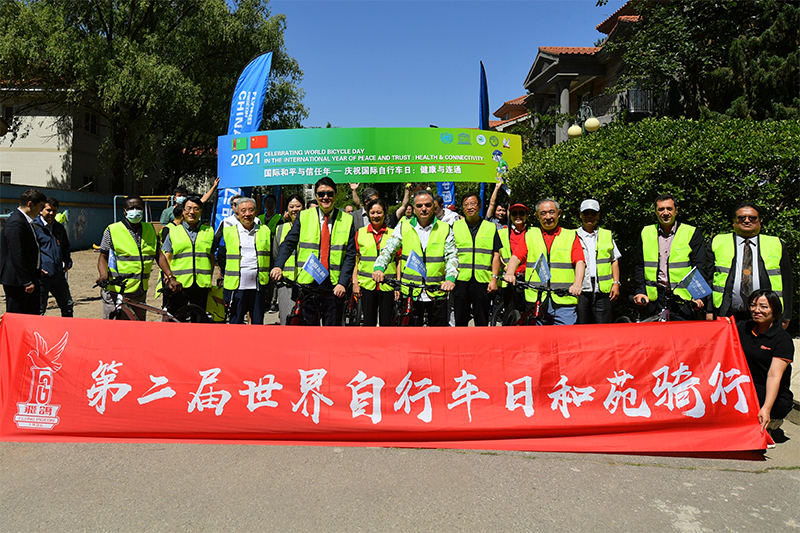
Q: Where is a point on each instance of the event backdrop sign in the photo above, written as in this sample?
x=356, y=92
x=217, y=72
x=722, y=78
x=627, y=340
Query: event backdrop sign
x=372, y=155
x=665, y=387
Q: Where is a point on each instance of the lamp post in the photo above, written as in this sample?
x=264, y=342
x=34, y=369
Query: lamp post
x=586, y=122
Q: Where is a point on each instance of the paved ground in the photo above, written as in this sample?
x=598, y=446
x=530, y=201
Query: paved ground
x=187, y=487
x=192, y=487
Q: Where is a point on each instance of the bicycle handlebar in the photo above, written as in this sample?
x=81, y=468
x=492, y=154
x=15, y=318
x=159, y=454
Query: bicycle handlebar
x=396, y=284
x=543, y=288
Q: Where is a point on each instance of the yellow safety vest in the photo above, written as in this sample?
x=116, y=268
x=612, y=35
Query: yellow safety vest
x=289, y=270
x=233, y=255
x=273, y=221
x=368, y=252
x=134, y=261
x=433, y=256
x=475, y=256
x=310, y=239
x=603, y=259
x=562, y=272
x=678, y=265
x=191, y=261
x=769, y=248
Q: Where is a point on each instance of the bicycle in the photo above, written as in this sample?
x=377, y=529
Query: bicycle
x=536, y=315
x=405, y=305
x=304, y=292
x=189, y=313
x=661, y=316
x=352, y=315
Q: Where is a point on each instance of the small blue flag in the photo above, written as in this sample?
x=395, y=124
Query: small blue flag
x=416, y=264
x=695, y=284
x=542, y=269
x=314, y=267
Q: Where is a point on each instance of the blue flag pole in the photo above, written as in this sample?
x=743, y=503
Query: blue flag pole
x=483, y=121
x=247, y=110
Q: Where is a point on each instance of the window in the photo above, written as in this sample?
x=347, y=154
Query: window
x=91, y=123
x=8, y=113
x=5, y=176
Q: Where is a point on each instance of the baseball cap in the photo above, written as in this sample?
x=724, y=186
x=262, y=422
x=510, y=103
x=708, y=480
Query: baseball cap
x=523, y=206
x=593, y=205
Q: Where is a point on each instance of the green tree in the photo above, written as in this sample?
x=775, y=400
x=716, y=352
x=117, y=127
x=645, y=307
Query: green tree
x=161, y=72
x=709, y=166
x=736, y=58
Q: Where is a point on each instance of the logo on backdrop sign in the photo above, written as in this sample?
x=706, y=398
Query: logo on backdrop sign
x=38, y=412
x=446, y=138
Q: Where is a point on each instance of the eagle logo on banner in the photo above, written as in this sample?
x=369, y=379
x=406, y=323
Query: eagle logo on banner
x=38, y=412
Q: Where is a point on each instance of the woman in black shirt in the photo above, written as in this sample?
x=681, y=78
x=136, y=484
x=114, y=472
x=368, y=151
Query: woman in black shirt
x=769, y=351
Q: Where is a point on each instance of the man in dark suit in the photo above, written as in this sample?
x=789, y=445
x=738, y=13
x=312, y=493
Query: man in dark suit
x=20, y=263
x=746, y=261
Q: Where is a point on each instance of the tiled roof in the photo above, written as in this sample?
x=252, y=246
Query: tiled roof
x=577, y=50
x=516, y=101
x=607, y=25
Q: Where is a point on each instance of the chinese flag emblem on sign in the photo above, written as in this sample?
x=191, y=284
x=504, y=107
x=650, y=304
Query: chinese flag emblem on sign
x=258, y=142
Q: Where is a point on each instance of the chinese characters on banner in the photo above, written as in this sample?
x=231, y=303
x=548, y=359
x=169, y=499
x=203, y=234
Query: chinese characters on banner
x=685, y=387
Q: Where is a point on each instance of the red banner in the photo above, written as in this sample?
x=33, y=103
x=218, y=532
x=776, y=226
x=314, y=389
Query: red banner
x=674, y=387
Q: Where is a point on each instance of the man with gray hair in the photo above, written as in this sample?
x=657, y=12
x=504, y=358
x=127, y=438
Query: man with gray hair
x=561, y=249
x=244, y=257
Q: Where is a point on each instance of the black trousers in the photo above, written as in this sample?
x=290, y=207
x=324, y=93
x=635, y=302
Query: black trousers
x=59, y=288
x=187, y=295
x=324, y=308
x=677, y=312
x=240, y=302
x=436, y=311
x=19, y=301
x=472, y=300
x=594, y=308
x=377, y=306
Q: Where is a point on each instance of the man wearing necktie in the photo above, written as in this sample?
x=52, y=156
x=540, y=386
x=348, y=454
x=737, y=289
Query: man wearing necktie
x=328, y=234
x=745, y=261
x=20, y=262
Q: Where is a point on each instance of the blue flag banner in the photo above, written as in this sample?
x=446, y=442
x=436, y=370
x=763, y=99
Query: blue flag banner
x=447, y=190
x=695, y=284
x=416, y=264
x=483, y=121
x=542, y=269
x=314, y=267
x=247, y=110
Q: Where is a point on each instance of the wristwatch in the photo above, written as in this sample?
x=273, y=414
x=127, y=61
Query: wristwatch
x=616, y=282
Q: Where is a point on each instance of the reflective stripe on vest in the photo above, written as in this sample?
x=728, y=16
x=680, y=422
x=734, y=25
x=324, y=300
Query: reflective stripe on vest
x=603, y=259
x=134, y=262
x=310, y=239
x=678, y=265
x=433, y=256
x=233, y=255
x=474, y=256
x=562, y=272
x=191, y=261
x=288, y=267
x=770, y=250
x=505, y=253
x=368, y=252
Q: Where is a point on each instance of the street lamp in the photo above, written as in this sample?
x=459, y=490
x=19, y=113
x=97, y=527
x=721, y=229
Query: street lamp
x=586, y=122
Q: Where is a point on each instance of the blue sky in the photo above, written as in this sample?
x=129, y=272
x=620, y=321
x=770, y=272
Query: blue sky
x=415, y=63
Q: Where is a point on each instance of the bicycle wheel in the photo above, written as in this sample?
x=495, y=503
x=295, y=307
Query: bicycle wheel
x=512, y=318
x=497, y=316
x=191, y=313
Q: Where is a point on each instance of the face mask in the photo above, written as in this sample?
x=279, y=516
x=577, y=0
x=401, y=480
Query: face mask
x=180, y=199
x=134, y=216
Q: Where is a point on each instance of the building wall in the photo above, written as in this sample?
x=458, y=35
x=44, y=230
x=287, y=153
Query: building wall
x=89, y=213
x=40, y=156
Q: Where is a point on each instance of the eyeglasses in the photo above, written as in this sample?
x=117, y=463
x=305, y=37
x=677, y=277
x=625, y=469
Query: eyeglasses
x=192, y=209
x=471, y=204
x=746, y=218
x=326, y=194
x=518, y=213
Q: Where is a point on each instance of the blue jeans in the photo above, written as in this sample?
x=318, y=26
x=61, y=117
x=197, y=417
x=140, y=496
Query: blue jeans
x=565, y=315
x=241, y=302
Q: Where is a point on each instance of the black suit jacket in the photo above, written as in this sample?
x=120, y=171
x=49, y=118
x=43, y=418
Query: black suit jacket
x=763, y=279
x=19, y=253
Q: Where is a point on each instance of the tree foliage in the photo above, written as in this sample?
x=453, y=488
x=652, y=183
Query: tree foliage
x=735, y=58
x=161, y=72
x=709, y=166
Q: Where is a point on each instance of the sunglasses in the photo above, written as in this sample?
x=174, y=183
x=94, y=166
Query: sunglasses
x=746, y=218
x=518, y=213
x=326, y=194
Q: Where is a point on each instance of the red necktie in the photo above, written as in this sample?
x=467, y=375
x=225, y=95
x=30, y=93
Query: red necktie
x=325, y=243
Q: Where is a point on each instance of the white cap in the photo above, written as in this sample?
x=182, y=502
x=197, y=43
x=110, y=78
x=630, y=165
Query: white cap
x=594, y=205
